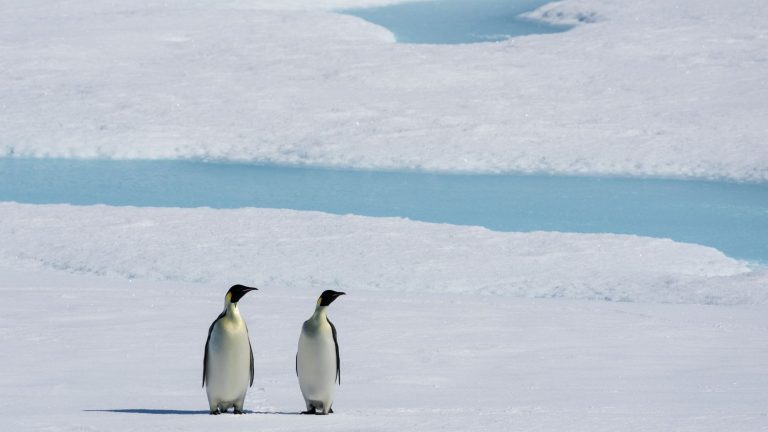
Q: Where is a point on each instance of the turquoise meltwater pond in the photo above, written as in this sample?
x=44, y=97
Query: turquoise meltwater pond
x=732, y=217
x=456, y=21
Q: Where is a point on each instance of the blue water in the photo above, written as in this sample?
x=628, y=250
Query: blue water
x=729, y=216
x=456, y=21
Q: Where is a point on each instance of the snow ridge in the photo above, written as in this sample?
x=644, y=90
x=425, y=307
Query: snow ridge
x=295, y=250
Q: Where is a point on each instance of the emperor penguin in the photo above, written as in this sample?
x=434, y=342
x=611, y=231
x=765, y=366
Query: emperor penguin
x=317, y=360
x=228, y=358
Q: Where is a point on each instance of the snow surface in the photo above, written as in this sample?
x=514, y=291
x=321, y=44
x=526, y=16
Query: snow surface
x=104, y=310
x=86, y=353
x=292, y=249
x=639, y=88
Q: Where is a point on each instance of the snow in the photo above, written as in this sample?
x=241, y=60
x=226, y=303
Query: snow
x=637, y=88
x=288, y=249
x=95, y=353
x=104, y=310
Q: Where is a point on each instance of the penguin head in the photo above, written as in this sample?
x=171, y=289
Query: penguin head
x=237, y=292
x=328, y=296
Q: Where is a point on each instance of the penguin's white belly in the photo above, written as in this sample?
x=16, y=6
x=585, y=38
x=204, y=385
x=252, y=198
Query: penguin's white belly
x=316, y=364
x=229, y=362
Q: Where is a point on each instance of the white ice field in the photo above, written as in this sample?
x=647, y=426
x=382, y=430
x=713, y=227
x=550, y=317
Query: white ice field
x=648, y=88
x=104, y=310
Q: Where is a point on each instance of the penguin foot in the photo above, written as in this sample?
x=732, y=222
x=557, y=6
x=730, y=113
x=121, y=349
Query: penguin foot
x=330, y=411
x=215, y=412
x=312, y=411
x=237, y=411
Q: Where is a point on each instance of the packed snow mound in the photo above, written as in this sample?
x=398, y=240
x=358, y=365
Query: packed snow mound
x=295, y=250
x=570, y=13
x=638, y=88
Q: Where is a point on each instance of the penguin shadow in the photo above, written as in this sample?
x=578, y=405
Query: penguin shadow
x=182, y=412
x=150, y=411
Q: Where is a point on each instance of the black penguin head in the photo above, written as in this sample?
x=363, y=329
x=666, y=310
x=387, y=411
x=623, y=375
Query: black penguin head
x=328, y=296
x=237, y=292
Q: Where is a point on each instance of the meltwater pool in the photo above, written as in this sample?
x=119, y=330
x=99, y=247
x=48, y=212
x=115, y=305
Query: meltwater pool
x=456, y=21
x=732, y=217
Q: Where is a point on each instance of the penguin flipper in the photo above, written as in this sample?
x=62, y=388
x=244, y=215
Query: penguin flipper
x=205, y=353
x=251, y=350
x=205, y=362
x=336, y=344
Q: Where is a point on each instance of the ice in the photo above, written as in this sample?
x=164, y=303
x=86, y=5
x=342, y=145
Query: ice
x=288, y=249
x=97, y=353
x=647, y=88
x=104, y=310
